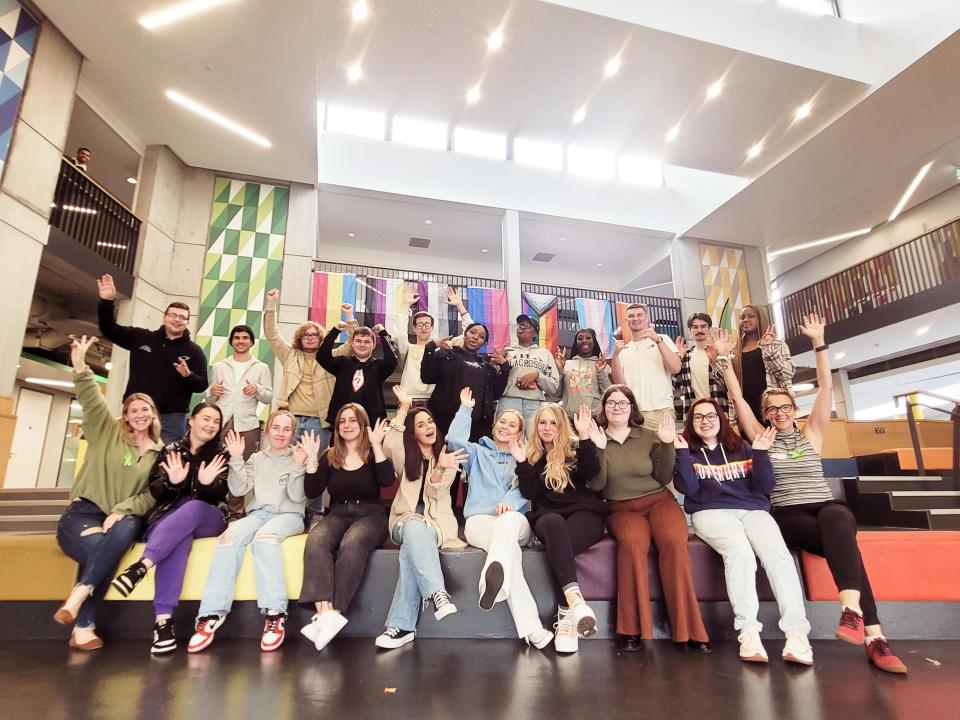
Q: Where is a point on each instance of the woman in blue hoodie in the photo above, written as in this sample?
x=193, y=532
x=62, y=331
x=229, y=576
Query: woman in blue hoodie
x=494, y=511
x=726, y=485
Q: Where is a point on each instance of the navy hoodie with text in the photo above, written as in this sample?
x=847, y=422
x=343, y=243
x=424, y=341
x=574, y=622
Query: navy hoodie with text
x=722, y=479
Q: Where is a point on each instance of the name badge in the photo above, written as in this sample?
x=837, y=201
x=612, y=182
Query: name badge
x=779, y=456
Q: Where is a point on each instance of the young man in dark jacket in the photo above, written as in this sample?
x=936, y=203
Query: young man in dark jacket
x=164, y=363
x=358, y=378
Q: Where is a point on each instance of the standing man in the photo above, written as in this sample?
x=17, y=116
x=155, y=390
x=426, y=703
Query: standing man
x=165, y=364
x=646, y=364
x=360, y=378
x=698, y=377
x=533, y=371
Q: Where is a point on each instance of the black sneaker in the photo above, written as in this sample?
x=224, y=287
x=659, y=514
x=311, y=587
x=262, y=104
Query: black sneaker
x=126, y=581
x=164, y=641
x=492, y=582
x=394, y=637
x=442, y=605
x=630, y=643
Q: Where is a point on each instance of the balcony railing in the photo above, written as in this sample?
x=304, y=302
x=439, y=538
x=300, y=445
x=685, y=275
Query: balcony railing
x=94, y=218
x=920, y=267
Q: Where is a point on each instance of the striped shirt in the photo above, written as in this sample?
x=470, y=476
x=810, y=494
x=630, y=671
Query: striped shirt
x=798, y=471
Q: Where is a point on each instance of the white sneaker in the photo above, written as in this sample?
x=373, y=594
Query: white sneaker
x=394, y=637
x=442, y=605
x=331, y=622
x=539, y=638
x=584, y=619
x=565, y=638
x=797, y=649
x=311, y=629
x=751, y=649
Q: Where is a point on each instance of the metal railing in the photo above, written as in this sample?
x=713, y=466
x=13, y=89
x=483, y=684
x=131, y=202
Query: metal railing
x=915, y=433
x=921, y=264
x=94, y=218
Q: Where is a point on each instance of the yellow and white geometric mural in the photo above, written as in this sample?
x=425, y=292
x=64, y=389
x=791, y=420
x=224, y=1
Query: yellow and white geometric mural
x=724, y=284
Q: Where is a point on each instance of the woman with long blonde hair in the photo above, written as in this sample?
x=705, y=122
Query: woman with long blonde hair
x=567, y=515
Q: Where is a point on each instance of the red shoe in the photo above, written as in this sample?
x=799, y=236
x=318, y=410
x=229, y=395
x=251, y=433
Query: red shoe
x=881, y=655
x=273, y=632
x=850, y=628
x=206, y=627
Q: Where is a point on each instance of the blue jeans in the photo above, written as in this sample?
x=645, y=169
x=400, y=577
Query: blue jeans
x=265, y=530
x=97, y=553
x=527, y=408
x=173, y=426
x=420, y=574
x=305, y=423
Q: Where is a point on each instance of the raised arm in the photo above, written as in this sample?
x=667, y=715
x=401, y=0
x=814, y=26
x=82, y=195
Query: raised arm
x=458, y=436
x=271, y=331
x=814, y=328
x=325, y=352
x=748, y=421
x=776, y=358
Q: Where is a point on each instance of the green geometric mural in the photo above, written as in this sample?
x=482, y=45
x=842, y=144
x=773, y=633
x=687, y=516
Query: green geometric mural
x=248, y=227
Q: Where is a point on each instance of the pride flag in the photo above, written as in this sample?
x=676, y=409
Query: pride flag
x=489, y=306
x=330, y=291
x=544, y=308
x=380, y=302
x=597, y=314
x=433, y=299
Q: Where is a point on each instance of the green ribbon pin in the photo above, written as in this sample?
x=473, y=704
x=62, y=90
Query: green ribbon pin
x=128, y=459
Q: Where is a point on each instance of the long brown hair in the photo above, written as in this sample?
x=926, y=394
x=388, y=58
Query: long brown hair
x=412, y=454
x=636, y=417
x=726, y=437
x=153, y=432
x=560, y=457
x=762, y=324
x=337, y=453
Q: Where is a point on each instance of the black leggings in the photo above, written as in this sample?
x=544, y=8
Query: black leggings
x=565, y=537
x=830, y=531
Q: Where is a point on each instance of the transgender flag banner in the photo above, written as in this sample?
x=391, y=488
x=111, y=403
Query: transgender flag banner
x=489, y=306
x=544, y=309
x=330, y=291
x=597, y=314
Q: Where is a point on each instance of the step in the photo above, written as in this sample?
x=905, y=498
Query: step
x=925, y=499
x=945, y=518
x=32, y=507
x=888, y=483
x=34, y=493
x=28, y=523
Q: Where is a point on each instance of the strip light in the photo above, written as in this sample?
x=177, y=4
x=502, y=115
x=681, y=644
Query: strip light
x=910, y=190
x=215, y=117
x=48, y=382
x=178, y=12
x=817, y=243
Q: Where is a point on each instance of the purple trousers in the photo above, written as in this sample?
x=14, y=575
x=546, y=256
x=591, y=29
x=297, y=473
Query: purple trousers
x=169, y=541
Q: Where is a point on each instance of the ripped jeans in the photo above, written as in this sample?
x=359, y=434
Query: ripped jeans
x=265, y=530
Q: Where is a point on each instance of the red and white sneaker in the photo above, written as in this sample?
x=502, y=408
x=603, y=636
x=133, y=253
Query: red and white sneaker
x=273, y=632
x=203, y=637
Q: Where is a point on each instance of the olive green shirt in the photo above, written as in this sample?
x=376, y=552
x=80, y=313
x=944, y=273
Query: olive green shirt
x=638, y=466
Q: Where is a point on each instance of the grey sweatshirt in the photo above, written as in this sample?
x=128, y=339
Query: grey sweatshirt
x=275, y=478
x=523, y=360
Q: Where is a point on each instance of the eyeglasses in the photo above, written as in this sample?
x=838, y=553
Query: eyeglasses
x=311, y=335
x=178, y=317
x=709, y=417
x=618, y=404
x=772, y=410
x=423, y=325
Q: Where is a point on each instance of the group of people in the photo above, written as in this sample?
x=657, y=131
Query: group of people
x=559, y=447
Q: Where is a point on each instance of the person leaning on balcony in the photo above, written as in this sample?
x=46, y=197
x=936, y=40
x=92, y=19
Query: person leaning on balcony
x=802, y=503
x=83, y=156
x=164, y=363
x=760, y=360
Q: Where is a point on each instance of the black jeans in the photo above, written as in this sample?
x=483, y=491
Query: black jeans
x=351, y=531
x=97, y=553
x=830, y=531
x=565, y=537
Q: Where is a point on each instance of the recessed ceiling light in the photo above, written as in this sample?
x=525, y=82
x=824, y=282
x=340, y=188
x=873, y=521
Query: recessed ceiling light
x=495, y=41
x=484, y=250
x=355, y=72
x=612, y=67
x=563, y=239
x=350, y=234
x=915, y=183
x=803, y=111
x=839, y=356
x=580, y=115
x=714, y=90
x=178, y=12
x=359, y=11
x=754, y=150
x=132, y=180
x=923, y=330
x=428, y=221
x=599, y=264
x=473, y=95
x=214, y=116
x=673, y=132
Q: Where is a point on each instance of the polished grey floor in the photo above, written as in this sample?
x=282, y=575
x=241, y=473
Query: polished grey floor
x=463, y=679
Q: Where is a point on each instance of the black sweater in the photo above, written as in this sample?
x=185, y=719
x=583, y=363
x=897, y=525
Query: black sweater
x=152, y=359
x=360, y=485
x=454, y=369
x=577, y=496
x=344, y=367
x=168, y=494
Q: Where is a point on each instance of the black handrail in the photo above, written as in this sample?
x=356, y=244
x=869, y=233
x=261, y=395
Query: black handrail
x=954, y=414
x=90, y=215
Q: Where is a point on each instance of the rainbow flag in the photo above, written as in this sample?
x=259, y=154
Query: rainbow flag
x=544, y=308
x=330, y=291
x=489, y=306
x=597, y=314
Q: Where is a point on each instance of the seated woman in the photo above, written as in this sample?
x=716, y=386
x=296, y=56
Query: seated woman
x=421, y=518
x=353, y=469
x=586, y=374
x=189, y=481
x=726, y=486
x=635, y=469
x=274, y=513
x=495, y=521
x=567, y=515
x=109, y=496
x=803, y=505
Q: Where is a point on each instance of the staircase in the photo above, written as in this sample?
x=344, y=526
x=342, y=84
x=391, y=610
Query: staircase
x=31, y=510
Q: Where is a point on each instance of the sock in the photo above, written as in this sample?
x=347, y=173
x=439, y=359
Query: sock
x=870, y=638
x=858, y=612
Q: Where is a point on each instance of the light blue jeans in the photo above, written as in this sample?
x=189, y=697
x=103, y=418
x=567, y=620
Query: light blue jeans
x=527, y=408
x=265, y=530
x=420, y=574
x=305, y=423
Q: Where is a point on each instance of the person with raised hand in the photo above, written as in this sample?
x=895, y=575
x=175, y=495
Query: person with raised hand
x=567, y=514
x=274, y=478
x=353, y=469
x=802, y=503
x=421, y=518
x=586, y=373
x=636, y=466
x=760, y=360
x=726, y=484
x=109, y=496
x=532, y=374
x=189, y=482
x=495, y=520
x=698, y=377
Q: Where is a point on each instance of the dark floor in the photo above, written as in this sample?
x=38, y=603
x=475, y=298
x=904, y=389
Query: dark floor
x=488, y=679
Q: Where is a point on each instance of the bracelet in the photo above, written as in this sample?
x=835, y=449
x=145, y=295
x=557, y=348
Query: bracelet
x=658, y=340
x=823, y=347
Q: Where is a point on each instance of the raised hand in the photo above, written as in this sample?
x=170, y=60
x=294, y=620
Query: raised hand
x=618, y=346
x=308, y=448
x=667, y=430
x=650, y=333
x=235, y=444
x=769, y=335
x=602, y=362
x=681, y=345
x=466, y=397
x=78, y=352
x=814, y=327
x=560, y=358
x=680, y=442
x=518, y=449
x=763, y=440
x=454, y=299
x=409, y=298
x=272, y=295
x=723, y=342
x=377, y=329
x=175, y=468
x=443, y=343
x=106, y=288
x=347, y=310
x=448, y=460
x=499, y=355
x=181, y=367
x=217, y=389
x=711, y=350
x=581, y=421
x=597, y=434
x=208, y=473
x=377, y=432
x=249, y=388
x=403, y=398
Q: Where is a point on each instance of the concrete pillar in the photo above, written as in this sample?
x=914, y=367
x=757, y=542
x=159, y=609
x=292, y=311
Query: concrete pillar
x=842, y=397
x=510, y=238
x=687, y=276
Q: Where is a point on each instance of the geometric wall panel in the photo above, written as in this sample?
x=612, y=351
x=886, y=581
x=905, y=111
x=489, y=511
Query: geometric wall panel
x=18, y=36
x=724, y=284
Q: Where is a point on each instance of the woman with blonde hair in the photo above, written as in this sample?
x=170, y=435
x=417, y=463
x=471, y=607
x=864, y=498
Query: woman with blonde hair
x=760, y=360
x=567, y=515
x=109, y=496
